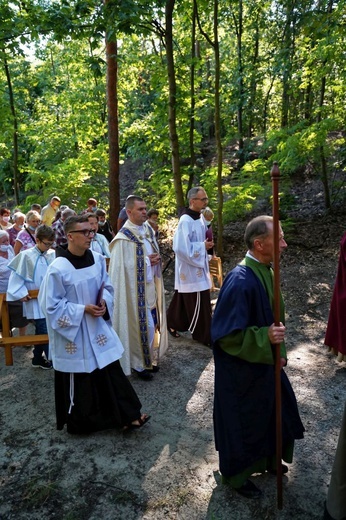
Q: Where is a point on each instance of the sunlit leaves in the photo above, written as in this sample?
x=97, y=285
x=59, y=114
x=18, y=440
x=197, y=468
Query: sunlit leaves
x=287, y=47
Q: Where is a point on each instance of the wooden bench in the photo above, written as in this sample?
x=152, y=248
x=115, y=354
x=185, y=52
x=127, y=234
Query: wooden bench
x=215, y=269
x=7, y=341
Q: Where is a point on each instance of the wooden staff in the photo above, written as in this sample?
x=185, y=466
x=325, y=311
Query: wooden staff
x=275, y=175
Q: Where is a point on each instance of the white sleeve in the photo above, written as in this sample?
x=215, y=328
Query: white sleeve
x=16, y=289
x=187, y=250
x=63, y=316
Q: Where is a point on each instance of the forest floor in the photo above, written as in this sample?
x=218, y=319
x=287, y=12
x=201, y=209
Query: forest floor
x=169, y=468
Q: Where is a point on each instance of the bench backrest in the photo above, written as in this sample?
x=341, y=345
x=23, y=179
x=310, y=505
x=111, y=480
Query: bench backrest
x=7, y=341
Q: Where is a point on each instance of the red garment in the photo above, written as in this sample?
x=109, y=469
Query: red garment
x=209, y=236
x=336, y=328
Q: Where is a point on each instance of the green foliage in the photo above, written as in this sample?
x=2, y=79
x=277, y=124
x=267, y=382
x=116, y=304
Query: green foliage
x=246, y=189
x=240, y=201
x=300, y=146
x=242, y=190
x=208, y=179
x=158, y=191
x=74, y=180
x=61, y=126
x=272, y=82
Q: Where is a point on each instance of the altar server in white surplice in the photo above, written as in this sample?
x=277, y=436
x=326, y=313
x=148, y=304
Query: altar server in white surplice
x=91, y=391
x=28, y=270
x=190, y=308
x=139, y=309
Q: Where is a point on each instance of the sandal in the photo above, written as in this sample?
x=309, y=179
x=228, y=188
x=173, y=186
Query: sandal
x=173, y=333
x=141, y=421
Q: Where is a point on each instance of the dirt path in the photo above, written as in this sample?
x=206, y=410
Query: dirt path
x=169, y=469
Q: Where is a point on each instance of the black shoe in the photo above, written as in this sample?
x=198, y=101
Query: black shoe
x=249, y=490
x=155, y=369
x=173, y=333
x=143, y=374
x=284, y=470
x=140, y=422
x=42, y=363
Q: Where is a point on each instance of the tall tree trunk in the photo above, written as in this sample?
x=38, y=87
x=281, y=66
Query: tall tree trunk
x=324, y=169
x=285, y=100
x=241, y=94
x=288, y=47
x=215, y=46
x=253, y=82
x=15, y=130
x=219, y=245
x=265, y=108
x=324, y=175
x=113, y=132
x=308, y=102
x=192, y=99
x=172, y=101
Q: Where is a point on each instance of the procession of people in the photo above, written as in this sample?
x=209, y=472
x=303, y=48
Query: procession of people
x=108, y=320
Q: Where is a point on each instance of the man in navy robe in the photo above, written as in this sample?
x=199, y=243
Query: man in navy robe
x=243, y=334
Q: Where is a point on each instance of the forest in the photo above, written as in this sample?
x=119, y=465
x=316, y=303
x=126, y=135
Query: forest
x=186, y=92
x=176, y=93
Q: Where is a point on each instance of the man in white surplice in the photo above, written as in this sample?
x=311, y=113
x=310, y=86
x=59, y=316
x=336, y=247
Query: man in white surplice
x=139, y=306
x=190, y=307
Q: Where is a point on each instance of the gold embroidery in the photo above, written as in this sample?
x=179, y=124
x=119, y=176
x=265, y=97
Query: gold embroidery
x=182, y=276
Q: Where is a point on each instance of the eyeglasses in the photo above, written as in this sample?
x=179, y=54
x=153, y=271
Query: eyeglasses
x=85, y=232
x=203, y=200
x=48, y=244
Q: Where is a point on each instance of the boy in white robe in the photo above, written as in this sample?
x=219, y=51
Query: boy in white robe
x=28, y=270
x=91, y=391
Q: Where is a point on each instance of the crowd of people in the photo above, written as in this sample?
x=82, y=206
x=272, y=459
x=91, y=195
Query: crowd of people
x=107, y=320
